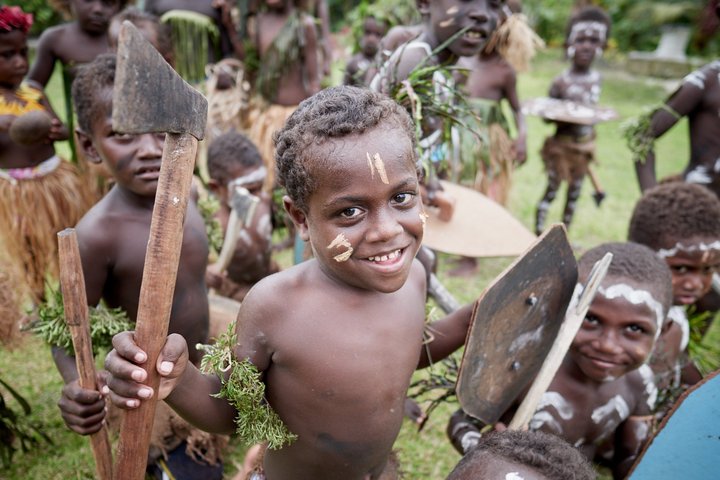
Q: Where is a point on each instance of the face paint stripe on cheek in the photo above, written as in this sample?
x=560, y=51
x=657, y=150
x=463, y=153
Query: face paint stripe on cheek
x=341, y=241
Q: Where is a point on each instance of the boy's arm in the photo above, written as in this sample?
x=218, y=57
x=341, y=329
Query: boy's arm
x=630, y=437
x=680, y=104
x=310, y=56
x=512, y=98
x=42, y=67
x=59, y=130
x=187, y=390
x=447, y=335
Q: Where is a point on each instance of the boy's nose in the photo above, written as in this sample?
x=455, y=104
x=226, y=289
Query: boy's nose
x=151, y=145
x=693, y=282
x=384, y=227
x=479, y=12
x=608, y=343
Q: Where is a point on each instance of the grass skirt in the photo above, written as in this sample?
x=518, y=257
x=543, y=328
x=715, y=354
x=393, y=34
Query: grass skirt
x=32, y=212
x=567, y=158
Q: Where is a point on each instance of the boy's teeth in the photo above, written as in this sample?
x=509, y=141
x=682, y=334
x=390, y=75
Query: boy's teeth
x=385, y=258
x=473, y=34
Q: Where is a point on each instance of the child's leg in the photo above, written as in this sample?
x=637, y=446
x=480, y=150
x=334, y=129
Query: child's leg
x=546, y=200
x=573, y=193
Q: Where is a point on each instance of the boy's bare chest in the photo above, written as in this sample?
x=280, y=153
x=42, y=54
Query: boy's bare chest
x=583, y=416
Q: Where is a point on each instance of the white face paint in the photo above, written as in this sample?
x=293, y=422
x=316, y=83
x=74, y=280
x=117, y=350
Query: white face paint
x=696, y=78
x=543, y=418
x=589, y=29
x=695, y=247
x=513, y=476
x=341, y=241
x=636, y=297
x=651, y=390
x=615, y=404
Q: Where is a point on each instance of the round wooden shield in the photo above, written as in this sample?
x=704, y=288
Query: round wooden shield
x=479, y=227
x=515, y=322
x=567, y=111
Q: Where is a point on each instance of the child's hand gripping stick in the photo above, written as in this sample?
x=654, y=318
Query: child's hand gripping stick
x=149, y=96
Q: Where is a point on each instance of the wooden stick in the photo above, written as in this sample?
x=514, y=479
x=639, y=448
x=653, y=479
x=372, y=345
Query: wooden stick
x=565, y=336
x=156, y=294
x=72, y=281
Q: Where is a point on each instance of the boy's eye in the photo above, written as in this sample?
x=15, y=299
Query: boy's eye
x=403, y=198
x=591, y=320
x=351, y=212
x=635, y=328
x=680, y=269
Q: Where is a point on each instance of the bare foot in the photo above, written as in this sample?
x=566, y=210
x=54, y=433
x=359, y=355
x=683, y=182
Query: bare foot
x=466, y=267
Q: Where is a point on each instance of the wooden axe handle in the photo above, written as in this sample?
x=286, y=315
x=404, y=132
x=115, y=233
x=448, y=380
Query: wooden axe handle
x=156, y=294
x=72, y=281
x=565, y=336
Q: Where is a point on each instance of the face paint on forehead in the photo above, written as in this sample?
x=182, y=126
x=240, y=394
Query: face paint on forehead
x=376, y=163
x=695, y=247
x=341, y=241
x=588, y=28
x=513, y=476
x=256, y=176
x=636, y=297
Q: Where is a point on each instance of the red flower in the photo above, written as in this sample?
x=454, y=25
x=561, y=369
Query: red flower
x=13, y=18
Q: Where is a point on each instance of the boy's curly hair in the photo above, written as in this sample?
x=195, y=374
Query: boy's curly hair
x=231, y=149
x=548, y=455
x=63, y=7
x=92, y=90
x=329, y=114
x=674, y=212
x=635, y=262
x=589, y=14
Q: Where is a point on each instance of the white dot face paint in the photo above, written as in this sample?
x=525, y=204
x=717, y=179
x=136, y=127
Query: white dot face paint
x=695, y=247
x=636, y=297
x=341, y=241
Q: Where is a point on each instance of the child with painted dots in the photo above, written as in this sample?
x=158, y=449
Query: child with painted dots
x=336, y=338
x=681, y=222
x=603, y=395
x=568, y=153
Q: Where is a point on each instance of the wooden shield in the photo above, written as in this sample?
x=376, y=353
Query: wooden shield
x=687, y=444
x=479, y=227
x=515, y=322
x=568, y=111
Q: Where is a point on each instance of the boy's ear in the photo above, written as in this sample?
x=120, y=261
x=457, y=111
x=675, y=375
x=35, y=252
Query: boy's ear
x=86, y=147
x=298, y=217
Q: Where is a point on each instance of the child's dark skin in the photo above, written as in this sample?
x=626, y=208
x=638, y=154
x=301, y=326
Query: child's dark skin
x=357, y=67
x=13, y=67
x=113, y=239
x=251, y=260
x=302, y=80
x=700, y=103
x=336, y=337
x=76, y=42
x=602, y=391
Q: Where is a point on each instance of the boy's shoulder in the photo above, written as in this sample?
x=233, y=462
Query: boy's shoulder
x=642, y=388
x=105, y=219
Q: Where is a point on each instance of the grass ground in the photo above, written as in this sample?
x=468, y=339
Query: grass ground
x=425, y=455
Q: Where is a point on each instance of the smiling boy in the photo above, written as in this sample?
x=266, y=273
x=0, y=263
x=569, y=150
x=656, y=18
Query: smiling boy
x=336, y=338
x=603, y=393
x=681, y=222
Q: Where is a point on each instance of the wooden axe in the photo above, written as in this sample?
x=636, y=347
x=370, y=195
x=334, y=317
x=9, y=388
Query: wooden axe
x=242, y=209
x=72, y=283
x=149, y=96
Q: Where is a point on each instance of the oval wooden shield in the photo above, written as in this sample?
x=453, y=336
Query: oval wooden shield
x=479, y=227
x=515, y=322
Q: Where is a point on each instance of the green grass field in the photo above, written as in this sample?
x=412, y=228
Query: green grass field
x=425, y=455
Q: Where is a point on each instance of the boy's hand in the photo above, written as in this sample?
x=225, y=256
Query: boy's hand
x=520, y=152
x=82, y=410
x=213, y=277
x=126, y=372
